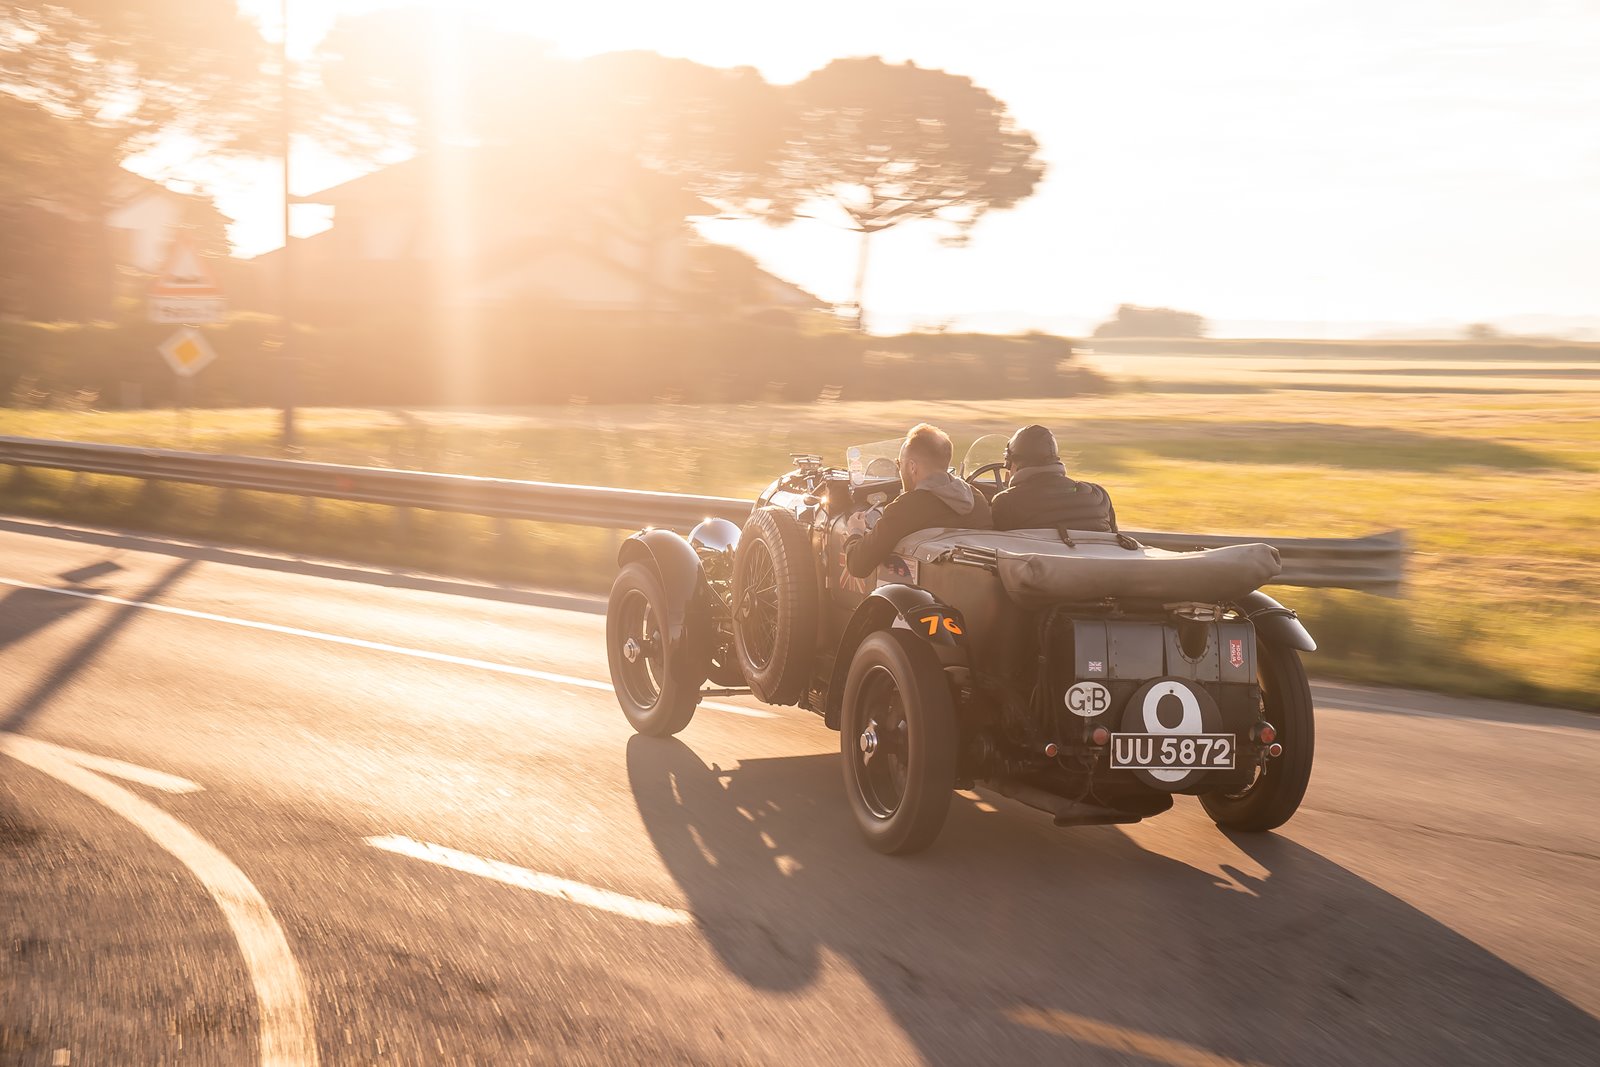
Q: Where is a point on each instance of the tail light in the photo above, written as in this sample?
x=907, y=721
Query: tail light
x=1266, y=733
x=1099, y=737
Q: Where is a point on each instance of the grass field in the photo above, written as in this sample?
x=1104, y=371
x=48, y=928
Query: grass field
x=1500, y=492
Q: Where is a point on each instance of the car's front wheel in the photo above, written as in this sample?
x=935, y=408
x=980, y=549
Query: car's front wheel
x=1279, y=786
x=657, y=686
x=899, y=742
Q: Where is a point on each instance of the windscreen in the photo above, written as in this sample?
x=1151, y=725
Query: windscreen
x=990, y=448
x=874, y=462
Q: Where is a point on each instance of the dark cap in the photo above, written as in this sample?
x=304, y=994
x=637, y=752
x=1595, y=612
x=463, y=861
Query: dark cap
x=1031, y=446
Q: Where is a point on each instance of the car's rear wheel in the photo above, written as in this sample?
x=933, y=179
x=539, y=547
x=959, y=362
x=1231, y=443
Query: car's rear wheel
x=775, y=606
x=657, y=686
x=899, y=741
x=1269, y=801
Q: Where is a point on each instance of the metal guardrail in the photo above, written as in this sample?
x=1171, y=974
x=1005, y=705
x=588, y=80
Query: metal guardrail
x=1371, y=564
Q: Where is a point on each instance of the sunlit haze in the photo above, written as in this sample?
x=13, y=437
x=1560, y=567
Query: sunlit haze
x=1296, y=168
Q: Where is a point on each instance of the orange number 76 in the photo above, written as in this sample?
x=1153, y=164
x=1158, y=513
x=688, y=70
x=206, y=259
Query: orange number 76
x=933, y=622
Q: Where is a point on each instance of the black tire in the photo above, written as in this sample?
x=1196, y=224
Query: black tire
x=775, y=606
x=897, y=688
x=1273, y=797
x=657, y=686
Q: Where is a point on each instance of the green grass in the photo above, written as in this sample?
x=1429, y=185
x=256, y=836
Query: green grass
x=1500, y=493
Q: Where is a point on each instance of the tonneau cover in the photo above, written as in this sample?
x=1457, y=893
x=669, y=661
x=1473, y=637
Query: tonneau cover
x=1037, y=567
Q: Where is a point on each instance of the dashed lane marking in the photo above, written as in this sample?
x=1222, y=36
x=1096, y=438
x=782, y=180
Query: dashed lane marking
x=373, y=646
x=548, y=884
x=1106, y=1035
x=287, y=1036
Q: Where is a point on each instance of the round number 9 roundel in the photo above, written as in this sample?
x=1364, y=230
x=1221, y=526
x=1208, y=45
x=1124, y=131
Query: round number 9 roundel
x=1175, y=707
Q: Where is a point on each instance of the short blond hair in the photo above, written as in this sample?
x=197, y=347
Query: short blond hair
x=929, y=444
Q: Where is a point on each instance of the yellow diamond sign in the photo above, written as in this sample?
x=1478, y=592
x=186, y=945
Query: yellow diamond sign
x=187, y=352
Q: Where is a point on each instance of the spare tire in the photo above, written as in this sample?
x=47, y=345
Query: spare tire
x=776, y=605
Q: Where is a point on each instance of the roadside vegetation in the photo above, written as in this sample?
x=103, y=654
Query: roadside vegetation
x=1499, y=493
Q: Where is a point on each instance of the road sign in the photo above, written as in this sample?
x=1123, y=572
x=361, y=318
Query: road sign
x=191, y=310
x=186, y=291
x=187, y=352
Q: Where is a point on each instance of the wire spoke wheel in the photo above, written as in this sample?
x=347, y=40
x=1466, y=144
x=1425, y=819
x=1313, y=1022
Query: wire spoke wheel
x=758, y=607
x=776, y=606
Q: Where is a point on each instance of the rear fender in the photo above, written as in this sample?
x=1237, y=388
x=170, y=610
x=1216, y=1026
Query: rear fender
x=896, y=606
x=1276, y=623
x=682, y=577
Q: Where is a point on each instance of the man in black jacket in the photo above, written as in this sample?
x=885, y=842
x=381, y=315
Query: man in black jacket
x=1041, y=496
x=933, y=499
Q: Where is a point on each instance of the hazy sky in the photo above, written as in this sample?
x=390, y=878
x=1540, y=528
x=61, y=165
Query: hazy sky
x=1351, y=161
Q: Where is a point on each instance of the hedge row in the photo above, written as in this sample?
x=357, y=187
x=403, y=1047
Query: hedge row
x=499, y=359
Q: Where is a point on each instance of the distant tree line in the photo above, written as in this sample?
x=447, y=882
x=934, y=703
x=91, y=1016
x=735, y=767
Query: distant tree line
x=1131, y=320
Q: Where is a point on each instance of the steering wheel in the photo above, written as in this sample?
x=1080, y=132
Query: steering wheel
x=992, y=469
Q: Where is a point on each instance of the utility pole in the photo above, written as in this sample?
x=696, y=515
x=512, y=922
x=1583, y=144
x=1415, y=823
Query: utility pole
x=288, y=370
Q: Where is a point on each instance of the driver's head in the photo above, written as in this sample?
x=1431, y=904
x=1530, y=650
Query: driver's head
x=925, y=452
x=1031, y=446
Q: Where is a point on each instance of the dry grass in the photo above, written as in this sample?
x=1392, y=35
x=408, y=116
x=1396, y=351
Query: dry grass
x=1501, y=493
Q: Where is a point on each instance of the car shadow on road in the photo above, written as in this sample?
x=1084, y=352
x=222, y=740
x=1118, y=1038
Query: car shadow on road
x=1012, y=942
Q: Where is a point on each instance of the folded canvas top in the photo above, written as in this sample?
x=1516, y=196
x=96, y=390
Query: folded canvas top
x=1037, y=567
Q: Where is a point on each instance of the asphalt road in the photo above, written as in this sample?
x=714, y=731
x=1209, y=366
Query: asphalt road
x=365, y=819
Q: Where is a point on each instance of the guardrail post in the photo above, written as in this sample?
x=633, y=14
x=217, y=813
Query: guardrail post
x=308, y=512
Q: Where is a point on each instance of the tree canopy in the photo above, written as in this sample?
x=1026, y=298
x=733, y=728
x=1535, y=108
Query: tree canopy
x=888, y=144
x=883, y=145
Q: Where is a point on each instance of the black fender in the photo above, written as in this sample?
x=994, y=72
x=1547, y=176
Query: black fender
x=683, y=579
x=1276, y=623
x=896, y=605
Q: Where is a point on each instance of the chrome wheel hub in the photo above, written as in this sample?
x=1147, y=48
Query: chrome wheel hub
x=631, y=650
x=869, y=741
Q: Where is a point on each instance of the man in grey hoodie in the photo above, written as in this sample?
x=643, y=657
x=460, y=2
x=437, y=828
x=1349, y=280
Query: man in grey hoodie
x=933, y=499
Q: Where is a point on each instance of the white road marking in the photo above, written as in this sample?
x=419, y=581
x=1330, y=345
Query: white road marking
x=548, y=884
x=287, y=1036
x=1338, y=704
x=373, y=646
x=128, y=772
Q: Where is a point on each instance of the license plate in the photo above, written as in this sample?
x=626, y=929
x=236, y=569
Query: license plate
x=1160, y=752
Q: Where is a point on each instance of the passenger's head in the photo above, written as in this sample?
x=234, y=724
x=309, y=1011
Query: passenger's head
x=1031, y=446
x=925, y=452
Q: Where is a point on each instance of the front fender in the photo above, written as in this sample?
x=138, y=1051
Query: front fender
x=1275, y=622
x=678, y=565
x=903, y=606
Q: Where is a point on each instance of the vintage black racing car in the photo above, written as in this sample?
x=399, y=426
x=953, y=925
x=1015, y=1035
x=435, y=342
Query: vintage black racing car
x=1077, y=672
